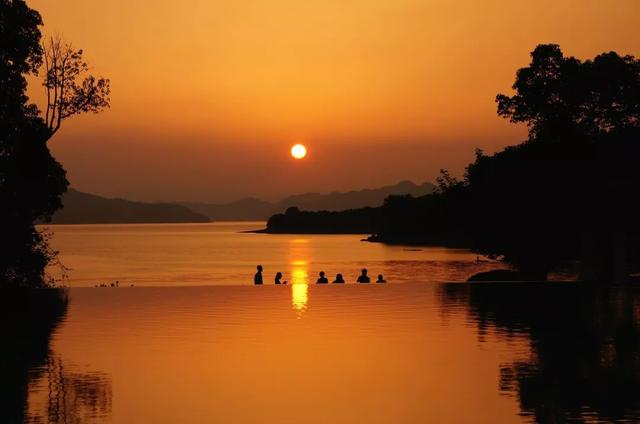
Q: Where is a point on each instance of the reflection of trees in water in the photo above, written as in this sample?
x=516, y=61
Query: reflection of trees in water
x=60, y=395
x=585, y=346
x=31, y=375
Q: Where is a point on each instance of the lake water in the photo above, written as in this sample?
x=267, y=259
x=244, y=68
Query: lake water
x=235, y=353
x=403, y=353
x=220, y=254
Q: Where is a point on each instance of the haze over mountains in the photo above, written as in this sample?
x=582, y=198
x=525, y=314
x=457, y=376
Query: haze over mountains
x=256, y=209
x=84, y=208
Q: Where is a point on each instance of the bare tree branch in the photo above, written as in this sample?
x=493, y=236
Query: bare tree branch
x=70, y=91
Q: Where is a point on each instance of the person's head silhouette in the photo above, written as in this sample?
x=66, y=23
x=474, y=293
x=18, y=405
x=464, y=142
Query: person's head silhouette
x=363, y=278
x=259, y=267
x=339, y=277
x=322, y=274
x=279, y=275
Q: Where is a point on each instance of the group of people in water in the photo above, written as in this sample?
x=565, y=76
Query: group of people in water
x=322, y=279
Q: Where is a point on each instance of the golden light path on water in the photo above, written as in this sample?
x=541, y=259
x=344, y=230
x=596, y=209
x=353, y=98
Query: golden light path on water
x=299, y=274
x=299, y=286
x=299, y=298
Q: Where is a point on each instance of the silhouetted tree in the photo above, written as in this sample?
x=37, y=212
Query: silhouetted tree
x=563, y=99
x=69, y=91
x=360, y=221
x=571, y=189
x=445, y=182
x=541, y=205
x=31, y=180
x=434, y=219
x=569, y=193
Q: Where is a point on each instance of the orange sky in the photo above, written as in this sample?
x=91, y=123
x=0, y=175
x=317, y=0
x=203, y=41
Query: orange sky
x=209, y=95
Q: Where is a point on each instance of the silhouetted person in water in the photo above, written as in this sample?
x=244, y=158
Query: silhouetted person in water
x=381, y=279
x=257, y=279
x=339, y=279
x=363, y=278
x=322, y=279
x=278, y=278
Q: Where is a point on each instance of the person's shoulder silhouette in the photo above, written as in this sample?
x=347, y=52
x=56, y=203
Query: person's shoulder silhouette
x=339, y=279
x=322, y=279
x=364, y=278
x=257, y=279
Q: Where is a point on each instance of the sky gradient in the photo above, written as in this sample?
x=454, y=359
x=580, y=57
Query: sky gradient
x=208, y=96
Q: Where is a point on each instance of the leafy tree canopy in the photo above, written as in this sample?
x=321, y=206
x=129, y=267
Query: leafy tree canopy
x=562, y=98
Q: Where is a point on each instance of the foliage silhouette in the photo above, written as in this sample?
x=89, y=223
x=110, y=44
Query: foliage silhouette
x=541, y=204
x=568, y=192
x=69, y=91
x=562, y=99
x=31, y=180
x=352, y=221
x=566, y=195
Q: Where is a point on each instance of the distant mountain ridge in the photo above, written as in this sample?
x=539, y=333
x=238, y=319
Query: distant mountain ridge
x=339, y=201
x=84, y=208
x=247, y=209
x=255, y=209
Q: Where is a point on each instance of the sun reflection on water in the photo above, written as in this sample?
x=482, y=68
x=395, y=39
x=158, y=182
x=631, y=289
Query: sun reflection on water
x=299, y=298
x=299, y=256
x=299, y=286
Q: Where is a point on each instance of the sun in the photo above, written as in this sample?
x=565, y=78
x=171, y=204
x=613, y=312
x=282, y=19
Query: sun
x=298, y=151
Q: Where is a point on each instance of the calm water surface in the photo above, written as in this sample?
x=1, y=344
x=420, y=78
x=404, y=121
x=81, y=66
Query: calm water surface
x=223, y=350
x=405, y=353
x=219, y=254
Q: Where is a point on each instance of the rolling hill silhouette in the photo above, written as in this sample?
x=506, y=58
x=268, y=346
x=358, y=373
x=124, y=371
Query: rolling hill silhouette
x=255, y=209
x=247, y=209
x=339, y=201
x=84, y=208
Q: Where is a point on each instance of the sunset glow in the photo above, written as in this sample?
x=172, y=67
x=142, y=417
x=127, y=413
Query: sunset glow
x=329, y=211
x=403, y=85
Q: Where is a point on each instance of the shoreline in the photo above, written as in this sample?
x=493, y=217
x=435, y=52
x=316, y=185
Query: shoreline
x=370, y=238
x=266, y=231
